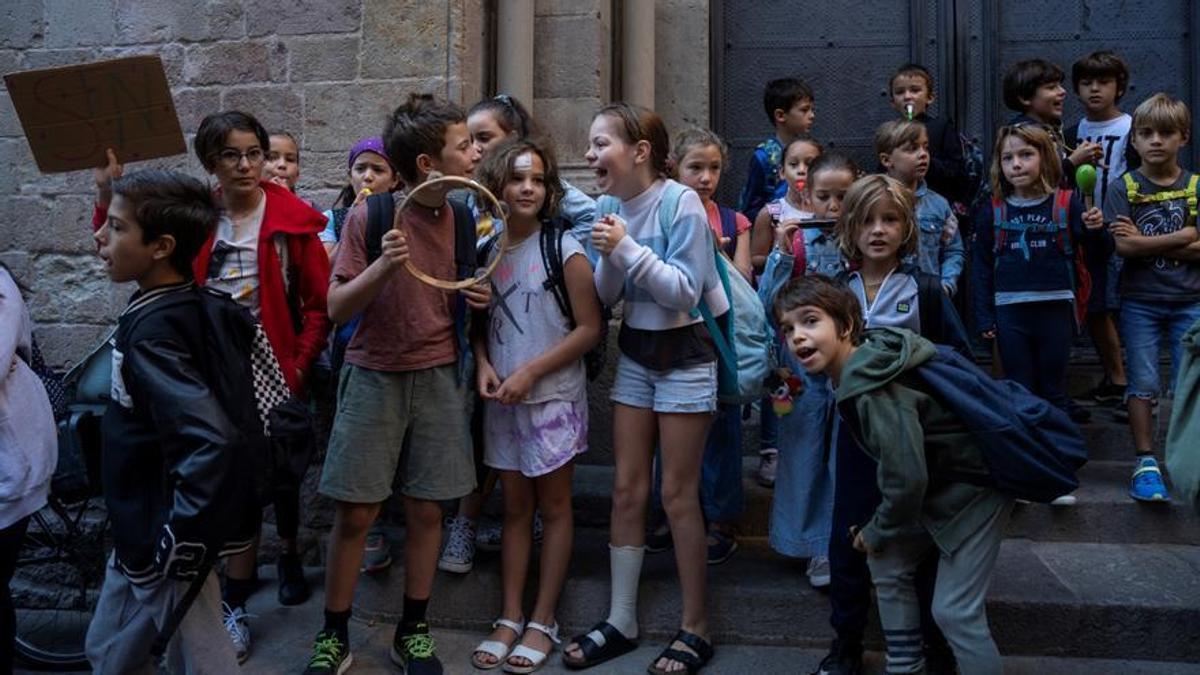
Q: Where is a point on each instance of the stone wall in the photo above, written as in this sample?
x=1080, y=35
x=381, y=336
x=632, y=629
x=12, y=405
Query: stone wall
x=325, y=70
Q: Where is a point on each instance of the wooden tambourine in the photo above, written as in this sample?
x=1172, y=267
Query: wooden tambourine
x=487, y=216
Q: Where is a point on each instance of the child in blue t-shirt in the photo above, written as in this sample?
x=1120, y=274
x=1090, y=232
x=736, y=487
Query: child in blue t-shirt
x=788, y=102
x=1151, y=213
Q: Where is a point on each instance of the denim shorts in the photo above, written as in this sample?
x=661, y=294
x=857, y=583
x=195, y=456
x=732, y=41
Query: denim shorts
x=1147, y=327
x=690, y=389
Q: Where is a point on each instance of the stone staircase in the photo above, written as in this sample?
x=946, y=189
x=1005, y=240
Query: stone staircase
x=1107, y=578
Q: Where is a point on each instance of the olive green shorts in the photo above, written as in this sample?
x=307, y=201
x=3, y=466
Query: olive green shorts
x=414, y=423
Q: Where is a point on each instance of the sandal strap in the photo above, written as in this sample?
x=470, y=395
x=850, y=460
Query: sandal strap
x=549, y=631
x=608, y=633
x=494, y=648
x=698, y=644
x=686, y=658
x=517, y=627
x=533, y=656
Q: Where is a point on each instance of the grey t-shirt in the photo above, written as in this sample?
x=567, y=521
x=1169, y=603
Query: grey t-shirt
x=526, y=320
x=1155, y=277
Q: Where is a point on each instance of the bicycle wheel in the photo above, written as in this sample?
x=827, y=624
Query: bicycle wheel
x=56, y=585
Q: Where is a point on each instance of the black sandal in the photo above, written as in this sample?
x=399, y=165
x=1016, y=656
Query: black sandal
x=693, y=662
x=615, y=644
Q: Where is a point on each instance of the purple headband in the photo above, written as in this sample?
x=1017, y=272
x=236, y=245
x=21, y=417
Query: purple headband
x=374, y=144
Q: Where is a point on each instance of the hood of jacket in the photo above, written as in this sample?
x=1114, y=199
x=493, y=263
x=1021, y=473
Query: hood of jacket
x=884, y=355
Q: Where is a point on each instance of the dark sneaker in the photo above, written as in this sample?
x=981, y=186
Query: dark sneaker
x=293, y=587
x=414, y=651
x=659, y=539
x=721, y=546
x=330, y=655
x=1078, y=413
x=841, y=660
x=1105, y=392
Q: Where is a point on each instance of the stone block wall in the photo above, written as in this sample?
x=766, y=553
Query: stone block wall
x=325, y=70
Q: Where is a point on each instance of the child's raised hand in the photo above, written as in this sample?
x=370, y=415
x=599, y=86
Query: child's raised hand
x=1123, y=227
x=1087, y=152
x=516, y=387
x=478, y=296
x=1093, y=218
x=607, y=232
x=486, y=379
x=395, y=249
x=104, y=176
x=785, y=232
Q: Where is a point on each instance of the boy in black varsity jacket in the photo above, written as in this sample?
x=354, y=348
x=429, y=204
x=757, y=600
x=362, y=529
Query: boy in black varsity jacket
x=179, y=435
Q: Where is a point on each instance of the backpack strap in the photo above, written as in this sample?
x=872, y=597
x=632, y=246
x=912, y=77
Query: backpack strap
x=465, y=238
x=381, y=209
x=998, y=214
x=550, y=242
x=729, y=228
x=1060, y=216
x=929, y=305
x=1192, y=205
x=606, y=204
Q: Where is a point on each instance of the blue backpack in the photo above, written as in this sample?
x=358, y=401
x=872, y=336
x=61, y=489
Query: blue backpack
x=1032, y=449
x=744, y=343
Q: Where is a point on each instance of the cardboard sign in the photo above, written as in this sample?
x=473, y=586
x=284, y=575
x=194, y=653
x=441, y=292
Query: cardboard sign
x=72, y=114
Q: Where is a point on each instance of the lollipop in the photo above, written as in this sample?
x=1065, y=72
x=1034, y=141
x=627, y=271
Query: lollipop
x=1085, y=179
x=908, y=111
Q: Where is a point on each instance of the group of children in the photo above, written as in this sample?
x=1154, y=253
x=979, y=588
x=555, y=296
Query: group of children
x=441, y=394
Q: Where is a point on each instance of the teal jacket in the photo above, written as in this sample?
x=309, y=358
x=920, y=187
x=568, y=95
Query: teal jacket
x=917, y=442
x=1183, y=434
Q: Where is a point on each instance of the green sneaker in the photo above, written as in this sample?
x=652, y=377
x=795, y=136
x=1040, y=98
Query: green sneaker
x=331, y=656
x=414, y=651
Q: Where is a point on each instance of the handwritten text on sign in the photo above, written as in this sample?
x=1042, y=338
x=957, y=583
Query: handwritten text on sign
x=70, y=115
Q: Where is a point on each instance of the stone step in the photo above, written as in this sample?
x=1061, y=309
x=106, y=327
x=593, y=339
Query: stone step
x=1103, y=513
x=1106, y=601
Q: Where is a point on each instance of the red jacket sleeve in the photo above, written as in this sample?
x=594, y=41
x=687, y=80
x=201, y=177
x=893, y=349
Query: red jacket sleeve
x=313, y=288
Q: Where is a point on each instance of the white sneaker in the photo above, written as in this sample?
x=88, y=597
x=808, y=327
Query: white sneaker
x=458, y=556
x=768, y=464
x=238, y=627
x=1065, y=500
x=818, y=571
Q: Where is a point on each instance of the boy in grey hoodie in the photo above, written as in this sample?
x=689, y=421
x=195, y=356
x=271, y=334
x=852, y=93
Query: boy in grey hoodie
x=911, y=435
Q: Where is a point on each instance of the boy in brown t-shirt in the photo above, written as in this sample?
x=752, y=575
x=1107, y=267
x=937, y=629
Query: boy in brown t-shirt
x=401, y=400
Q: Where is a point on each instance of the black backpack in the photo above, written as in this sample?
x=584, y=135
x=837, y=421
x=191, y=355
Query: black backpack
x=550, y=242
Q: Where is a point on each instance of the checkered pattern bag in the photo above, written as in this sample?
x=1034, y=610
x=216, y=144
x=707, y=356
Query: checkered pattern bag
x=270, y=388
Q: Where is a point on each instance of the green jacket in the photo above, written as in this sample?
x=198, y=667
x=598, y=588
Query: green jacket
x=917, y=442
x=1183, y=434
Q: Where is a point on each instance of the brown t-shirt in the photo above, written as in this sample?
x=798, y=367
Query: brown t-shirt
x=409, y=325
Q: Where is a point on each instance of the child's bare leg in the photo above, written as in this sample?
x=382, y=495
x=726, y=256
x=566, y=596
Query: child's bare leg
x=1141, y=423
x=515, y=543
x=682, y=442
x=554, y=500
x=423, y=521
x=346, y=541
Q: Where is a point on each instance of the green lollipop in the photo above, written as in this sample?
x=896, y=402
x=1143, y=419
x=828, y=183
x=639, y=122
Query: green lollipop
x=1085, y=179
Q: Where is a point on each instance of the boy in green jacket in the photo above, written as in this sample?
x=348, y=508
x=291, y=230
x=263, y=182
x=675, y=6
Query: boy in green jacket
x=912, y=436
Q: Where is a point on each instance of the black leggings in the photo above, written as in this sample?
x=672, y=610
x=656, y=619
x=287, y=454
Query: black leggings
x=10, y=544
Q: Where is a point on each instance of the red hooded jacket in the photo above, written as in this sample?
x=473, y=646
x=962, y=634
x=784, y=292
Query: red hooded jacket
x=287, y=214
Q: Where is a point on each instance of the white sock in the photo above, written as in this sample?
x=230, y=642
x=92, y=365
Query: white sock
x=626, y=565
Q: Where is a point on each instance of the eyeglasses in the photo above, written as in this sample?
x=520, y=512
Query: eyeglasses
x=231, y=158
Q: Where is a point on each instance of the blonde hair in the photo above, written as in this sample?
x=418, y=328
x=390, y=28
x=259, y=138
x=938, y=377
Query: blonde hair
x=1163, y=114
x=894, y=134
x=863, y=196
x=1034, y=135
x=690, y=139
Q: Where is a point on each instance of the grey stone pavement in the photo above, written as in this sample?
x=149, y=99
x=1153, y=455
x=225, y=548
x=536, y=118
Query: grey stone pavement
x=281, y=638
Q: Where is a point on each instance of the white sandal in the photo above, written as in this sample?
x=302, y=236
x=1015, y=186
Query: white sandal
x=496, y=648
x=536, y=659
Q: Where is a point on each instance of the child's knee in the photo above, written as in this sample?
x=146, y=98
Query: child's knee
x=354, y=519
